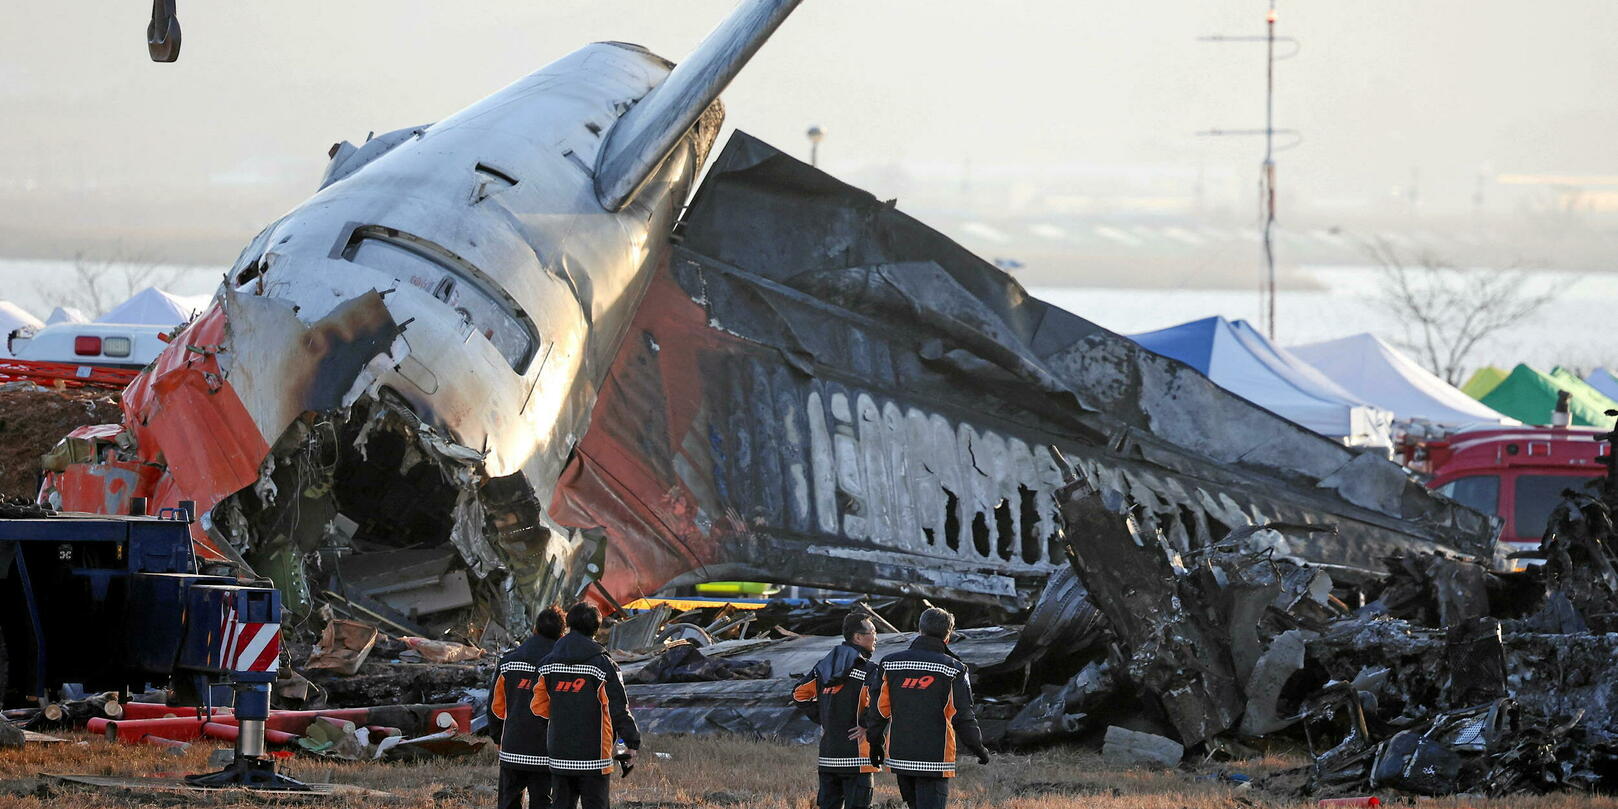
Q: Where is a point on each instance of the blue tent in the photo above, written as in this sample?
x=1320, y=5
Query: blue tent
x=1239, y=359
x=1602, y=380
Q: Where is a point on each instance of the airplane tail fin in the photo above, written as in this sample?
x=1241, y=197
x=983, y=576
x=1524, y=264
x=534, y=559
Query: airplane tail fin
x=643, y=138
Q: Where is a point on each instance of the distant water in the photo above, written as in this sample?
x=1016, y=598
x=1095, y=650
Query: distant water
x=1575, y=330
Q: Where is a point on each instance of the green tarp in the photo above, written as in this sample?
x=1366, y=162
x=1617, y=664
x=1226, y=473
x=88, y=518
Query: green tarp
x=1571, y=381
x=1529, y=396
x=1482, y=381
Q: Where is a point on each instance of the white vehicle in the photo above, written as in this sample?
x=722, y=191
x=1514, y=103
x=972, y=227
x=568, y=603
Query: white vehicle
x=106, y=345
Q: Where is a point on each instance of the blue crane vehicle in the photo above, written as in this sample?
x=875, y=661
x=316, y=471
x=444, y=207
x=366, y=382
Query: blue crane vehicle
x=120, y=602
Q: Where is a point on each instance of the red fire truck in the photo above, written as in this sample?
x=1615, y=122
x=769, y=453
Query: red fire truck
x=1515, y=473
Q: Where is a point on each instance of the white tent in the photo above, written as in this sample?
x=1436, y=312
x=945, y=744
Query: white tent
x=1378, y=373
x=67, y=314
x=1239, y=359
x=154, y=307
x=1602, y=380
x=12, y=317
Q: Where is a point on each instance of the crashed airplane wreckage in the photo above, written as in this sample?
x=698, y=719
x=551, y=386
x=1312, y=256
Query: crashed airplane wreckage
x=491, y=364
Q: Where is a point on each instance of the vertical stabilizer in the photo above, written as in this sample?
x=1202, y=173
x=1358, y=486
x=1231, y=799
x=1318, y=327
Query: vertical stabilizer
x=643, y=138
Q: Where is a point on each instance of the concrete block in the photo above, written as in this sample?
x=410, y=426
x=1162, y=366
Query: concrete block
x=1132, y=748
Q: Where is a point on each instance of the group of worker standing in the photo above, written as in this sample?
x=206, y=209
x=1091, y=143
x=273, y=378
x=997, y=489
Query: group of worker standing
x=910, y=713
x=561, y=705
x=561, y=711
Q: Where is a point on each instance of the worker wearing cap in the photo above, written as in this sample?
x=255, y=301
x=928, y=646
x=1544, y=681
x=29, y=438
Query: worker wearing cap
x=582, y=694
x=834, y=696
x=524, y=766
x=921, y=712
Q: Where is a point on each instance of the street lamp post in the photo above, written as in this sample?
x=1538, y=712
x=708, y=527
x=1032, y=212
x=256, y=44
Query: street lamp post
x=816, y=135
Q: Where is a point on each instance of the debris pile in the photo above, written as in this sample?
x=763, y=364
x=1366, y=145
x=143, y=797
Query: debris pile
x=683, y=663
x=1440, y=678
x=354, y=663
x=744, y=686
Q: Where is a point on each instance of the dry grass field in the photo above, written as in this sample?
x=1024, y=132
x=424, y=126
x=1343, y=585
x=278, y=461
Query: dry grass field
x=699, y=773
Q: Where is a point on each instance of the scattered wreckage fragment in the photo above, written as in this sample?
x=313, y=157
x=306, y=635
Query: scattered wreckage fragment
x=1213, y=634
x=1474, y=703
x=1449, y=678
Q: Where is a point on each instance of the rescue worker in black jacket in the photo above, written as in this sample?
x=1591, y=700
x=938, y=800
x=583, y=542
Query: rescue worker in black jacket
x=582, y=694
x=835, y=696
x=524, y=766
x=921, y=713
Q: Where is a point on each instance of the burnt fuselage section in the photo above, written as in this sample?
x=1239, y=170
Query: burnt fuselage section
x=821, y=390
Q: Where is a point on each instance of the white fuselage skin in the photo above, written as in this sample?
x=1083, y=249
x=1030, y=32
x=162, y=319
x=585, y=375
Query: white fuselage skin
x=574, y=269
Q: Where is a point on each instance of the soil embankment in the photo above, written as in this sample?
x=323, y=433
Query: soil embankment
x=33, y=419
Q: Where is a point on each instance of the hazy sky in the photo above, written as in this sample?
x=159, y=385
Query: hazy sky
x=1451, y=88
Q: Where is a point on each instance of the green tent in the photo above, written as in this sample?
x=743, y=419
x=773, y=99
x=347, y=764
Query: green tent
x=1482, y=381
x=1571, y=381
x=1529, y=396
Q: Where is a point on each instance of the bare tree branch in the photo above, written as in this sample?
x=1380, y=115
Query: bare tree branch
x=95, y=285
x=1445, y=310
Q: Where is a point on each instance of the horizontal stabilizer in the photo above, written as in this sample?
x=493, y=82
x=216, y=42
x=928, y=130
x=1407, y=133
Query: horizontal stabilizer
x=643, y=138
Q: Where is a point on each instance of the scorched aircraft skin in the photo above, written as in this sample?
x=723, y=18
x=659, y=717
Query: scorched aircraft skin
x=496, y=338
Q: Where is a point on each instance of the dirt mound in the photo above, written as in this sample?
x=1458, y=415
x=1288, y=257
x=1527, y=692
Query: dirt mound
x=32, y=419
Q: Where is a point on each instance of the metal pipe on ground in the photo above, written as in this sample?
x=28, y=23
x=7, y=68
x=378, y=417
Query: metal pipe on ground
x=154, y=710
x=133, y=731
x=229, y=733
x=456, y=716
x=298, y=722
x=295, y=723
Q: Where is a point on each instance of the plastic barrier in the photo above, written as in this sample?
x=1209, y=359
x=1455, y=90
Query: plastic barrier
x=54, y=374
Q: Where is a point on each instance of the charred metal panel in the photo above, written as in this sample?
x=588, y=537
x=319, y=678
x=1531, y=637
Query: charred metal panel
x=1174, y=645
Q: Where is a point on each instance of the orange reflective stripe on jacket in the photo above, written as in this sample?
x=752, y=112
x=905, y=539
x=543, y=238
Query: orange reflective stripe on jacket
x=806, y=692
x=540, y=705
x=497, y=704
x=607, y=735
